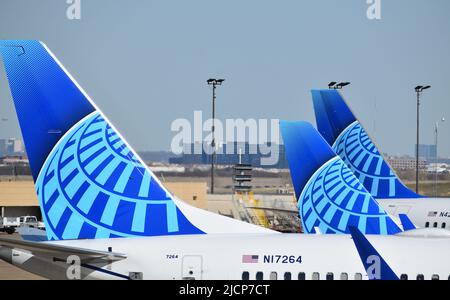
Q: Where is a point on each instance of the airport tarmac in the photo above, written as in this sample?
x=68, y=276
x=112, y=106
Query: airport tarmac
x=10, y=272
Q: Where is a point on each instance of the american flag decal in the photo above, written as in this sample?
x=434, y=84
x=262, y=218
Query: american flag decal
x=250, y=259
x=432, y=214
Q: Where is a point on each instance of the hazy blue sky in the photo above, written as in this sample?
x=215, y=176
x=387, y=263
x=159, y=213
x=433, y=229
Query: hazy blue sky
x=145, y=63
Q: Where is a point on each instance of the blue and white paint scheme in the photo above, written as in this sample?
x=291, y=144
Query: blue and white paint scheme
x=340, y=128
x=329, y=196
x=95, y=193
x=90, y=182
x=93, y=186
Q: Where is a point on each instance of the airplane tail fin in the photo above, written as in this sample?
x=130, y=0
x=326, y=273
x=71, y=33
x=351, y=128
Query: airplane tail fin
x=375, y=265
x=340, y=128
x=90, y=182
x=329, y=195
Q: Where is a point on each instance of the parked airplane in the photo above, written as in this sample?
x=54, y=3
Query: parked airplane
x=108, y=217
x=341, y=129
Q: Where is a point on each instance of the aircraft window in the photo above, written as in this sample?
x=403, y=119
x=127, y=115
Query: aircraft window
x=273, y=276
x=435, y=224
x=259, y=275
x=358, y=276
x=344, y=276
x=315, y=276
x=435, y=277
x=427, y=224
x=330, y=276
x=404, y=277
x=443, y=225
x=245, y=275
x=420, y=277
x=301, y=276
x=287, y=276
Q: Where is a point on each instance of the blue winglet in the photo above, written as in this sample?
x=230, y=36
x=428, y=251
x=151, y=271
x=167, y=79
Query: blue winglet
x=407, y=224
x=375, y=265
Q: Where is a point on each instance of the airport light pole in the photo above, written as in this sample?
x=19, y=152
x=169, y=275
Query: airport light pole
x=214, y=82
x=337, y=86
x=419, y=89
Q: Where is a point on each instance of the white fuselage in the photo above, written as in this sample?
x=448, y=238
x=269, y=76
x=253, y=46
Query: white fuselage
x=214, y=257
x=423, y=212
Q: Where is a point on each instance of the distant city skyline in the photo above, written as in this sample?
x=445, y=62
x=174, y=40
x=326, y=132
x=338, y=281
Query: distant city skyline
x=11, y=146
x=146, y=63
x=427, y=151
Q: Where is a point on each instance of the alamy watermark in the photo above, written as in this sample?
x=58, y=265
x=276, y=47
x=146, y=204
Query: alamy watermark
x=262, y=136
x=374, y=9
x=374, y=267
x=74, y=267
x=73, y=11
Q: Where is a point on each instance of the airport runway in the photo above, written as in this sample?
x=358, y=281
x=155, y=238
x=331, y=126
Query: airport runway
x=10, y=272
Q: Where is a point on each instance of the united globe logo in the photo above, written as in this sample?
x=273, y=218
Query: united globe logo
x=93, y=186
x=362, y=157
x=334, y=199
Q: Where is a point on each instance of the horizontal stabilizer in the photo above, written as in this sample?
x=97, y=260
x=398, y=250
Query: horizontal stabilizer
x=32, y=234
x=59, y=251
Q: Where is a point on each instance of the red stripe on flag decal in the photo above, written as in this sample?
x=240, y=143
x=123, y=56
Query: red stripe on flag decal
x=249, y=259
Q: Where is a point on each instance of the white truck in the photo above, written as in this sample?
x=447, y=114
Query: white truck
x=9, y=224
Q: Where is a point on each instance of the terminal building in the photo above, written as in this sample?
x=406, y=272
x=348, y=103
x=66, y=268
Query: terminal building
x=406, y=163
x=18, y=198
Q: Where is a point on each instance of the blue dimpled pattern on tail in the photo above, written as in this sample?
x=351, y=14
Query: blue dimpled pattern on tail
x=362, y=157
x=329, y=196
x=333, y=199
x=92, y=186
x=349, y=140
